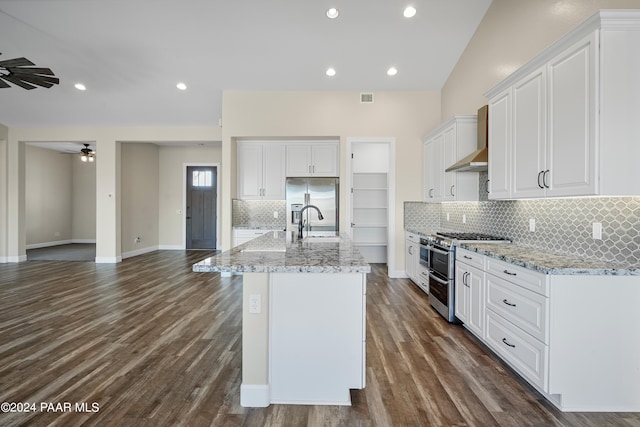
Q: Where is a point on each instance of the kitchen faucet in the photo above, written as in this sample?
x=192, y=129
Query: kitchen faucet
x=300, y=225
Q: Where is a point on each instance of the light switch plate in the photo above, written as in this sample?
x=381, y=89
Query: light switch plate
x=532, y=224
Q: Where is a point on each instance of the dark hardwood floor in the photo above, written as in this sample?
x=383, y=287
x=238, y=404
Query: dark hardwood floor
x=153, y=344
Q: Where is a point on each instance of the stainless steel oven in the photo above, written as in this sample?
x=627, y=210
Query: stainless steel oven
x=441, y=264
x=425, y=246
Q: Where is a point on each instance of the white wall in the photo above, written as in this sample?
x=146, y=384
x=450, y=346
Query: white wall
x=171, y=188
x=139, y=188
x=83, y=227
x=510, y=34
x=48, y=196
x=403, y=115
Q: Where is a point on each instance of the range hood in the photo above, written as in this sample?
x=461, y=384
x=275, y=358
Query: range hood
x=477, y=161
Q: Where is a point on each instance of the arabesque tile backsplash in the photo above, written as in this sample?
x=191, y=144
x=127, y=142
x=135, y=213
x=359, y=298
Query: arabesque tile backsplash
x=561, y=225
x=258, y=213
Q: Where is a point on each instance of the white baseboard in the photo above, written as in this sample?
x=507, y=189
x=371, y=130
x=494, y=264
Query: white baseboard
x=140, y=251
x=254, y=396
x=58, y=243
x=3, y=259
x=108, y=259
x=397, y=274
x=16, y=258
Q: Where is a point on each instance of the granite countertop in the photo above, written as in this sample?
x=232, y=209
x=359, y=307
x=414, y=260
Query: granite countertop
x=421, y=232
x=258, y=227
x=550, y=263
x=272, y=253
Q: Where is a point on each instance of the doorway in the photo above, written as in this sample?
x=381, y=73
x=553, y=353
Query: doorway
x=201, y=207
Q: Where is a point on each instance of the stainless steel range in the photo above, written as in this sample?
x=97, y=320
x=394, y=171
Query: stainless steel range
x=441, y=264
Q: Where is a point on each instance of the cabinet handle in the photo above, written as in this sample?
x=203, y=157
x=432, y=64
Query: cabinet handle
x=313, y=168
x=464, y=279
x=544, y=178
x=510, y=273
x=431, y=192
x=424, y=274
x=451, y=191
x=504, y=340
x=508, y=303
x=410, y=247
x=539, y=175
x=467, y=257
x=487, y=190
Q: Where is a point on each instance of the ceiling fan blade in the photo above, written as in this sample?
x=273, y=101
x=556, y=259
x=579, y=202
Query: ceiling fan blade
x=44, y=81
x=16, y=62
x=18, y=82
x=35, y=70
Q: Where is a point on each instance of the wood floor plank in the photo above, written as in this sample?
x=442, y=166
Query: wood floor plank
x=155, y=344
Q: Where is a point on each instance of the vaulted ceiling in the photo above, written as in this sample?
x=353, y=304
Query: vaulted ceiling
x=130, y=54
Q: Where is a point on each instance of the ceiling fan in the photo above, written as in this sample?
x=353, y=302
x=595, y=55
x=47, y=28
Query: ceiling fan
x=21, y=72
x=87, y=154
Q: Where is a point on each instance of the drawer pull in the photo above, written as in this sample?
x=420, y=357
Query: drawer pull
x=504, y=340
x=508, y=303
x=509, y=273
x=467, y=257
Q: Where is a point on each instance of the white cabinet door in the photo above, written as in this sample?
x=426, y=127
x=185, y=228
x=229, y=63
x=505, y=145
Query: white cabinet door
x=312, y=159
x=250, y=171
x=261, y=171
x=298, y=160
x=433, y=168
x=469, y=301
x=571, y=155
x=529, y=136
x=324, y=160
x=499, y=145
x=449, y=157
x=274, y=172
x=412, y=256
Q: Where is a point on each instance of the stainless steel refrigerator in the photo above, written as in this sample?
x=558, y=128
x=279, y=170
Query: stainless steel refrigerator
x=320, y=192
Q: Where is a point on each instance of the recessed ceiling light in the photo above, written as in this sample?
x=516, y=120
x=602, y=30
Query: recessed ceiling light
x=409, y=12
x=80, y=86
x=330, y=72
x=332, y=13
x=392, y=71
x=181, y=86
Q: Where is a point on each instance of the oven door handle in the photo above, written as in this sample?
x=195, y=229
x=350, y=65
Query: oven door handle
x=437, y=279
x=438, y=251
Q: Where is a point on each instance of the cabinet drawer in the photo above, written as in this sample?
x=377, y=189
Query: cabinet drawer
x=526, y=354
x=524, y=308
x=469, y=257
x=536, y=282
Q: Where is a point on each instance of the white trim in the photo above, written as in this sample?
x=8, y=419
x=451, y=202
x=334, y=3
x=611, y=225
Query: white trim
x=254, y=396
x=108, y=259
x=397, y=274
x=140, y=251
x=3, y=259
x=184, y=200
x=58, y=243
x=16, y=258
x=391, y=182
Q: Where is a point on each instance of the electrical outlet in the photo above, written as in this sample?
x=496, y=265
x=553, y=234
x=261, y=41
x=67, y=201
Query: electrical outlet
x=464, y=218
x=275, y=214
x=137, y=240
x=255, y=303
x=178, y=211
x=447, y=216
x=532, y=224
x=597, y=230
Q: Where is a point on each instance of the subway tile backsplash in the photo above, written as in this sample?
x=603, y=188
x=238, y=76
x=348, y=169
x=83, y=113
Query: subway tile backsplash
x=561, y=225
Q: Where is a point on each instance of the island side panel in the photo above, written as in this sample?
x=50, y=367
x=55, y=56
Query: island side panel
x=316, y=337
x=254, y=391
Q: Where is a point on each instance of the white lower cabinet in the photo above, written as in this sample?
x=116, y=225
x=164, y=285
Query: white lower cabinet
x=242, y=235
x=418, y=273
x=469, y=289
x=558, y=331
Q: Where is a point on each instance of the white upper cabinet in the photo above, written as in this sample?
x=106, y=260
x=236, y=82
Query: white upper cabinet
x=445, y=145
x=316, y=159
x=261, y=171
x=566, y=123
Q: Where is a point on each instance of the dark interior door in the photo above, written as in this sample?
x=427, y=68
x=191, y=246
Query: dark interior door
x=201, y=207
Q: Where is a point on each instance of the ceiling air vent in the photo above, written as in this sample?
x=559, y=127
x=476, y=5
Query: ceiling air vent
x=366, y=98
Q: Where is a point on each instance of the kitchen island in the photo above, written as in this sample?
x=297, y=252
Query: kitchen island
x=303, y=318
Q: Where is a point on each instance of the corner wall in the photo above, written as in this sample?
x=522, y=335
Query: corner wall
x=511, y=33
